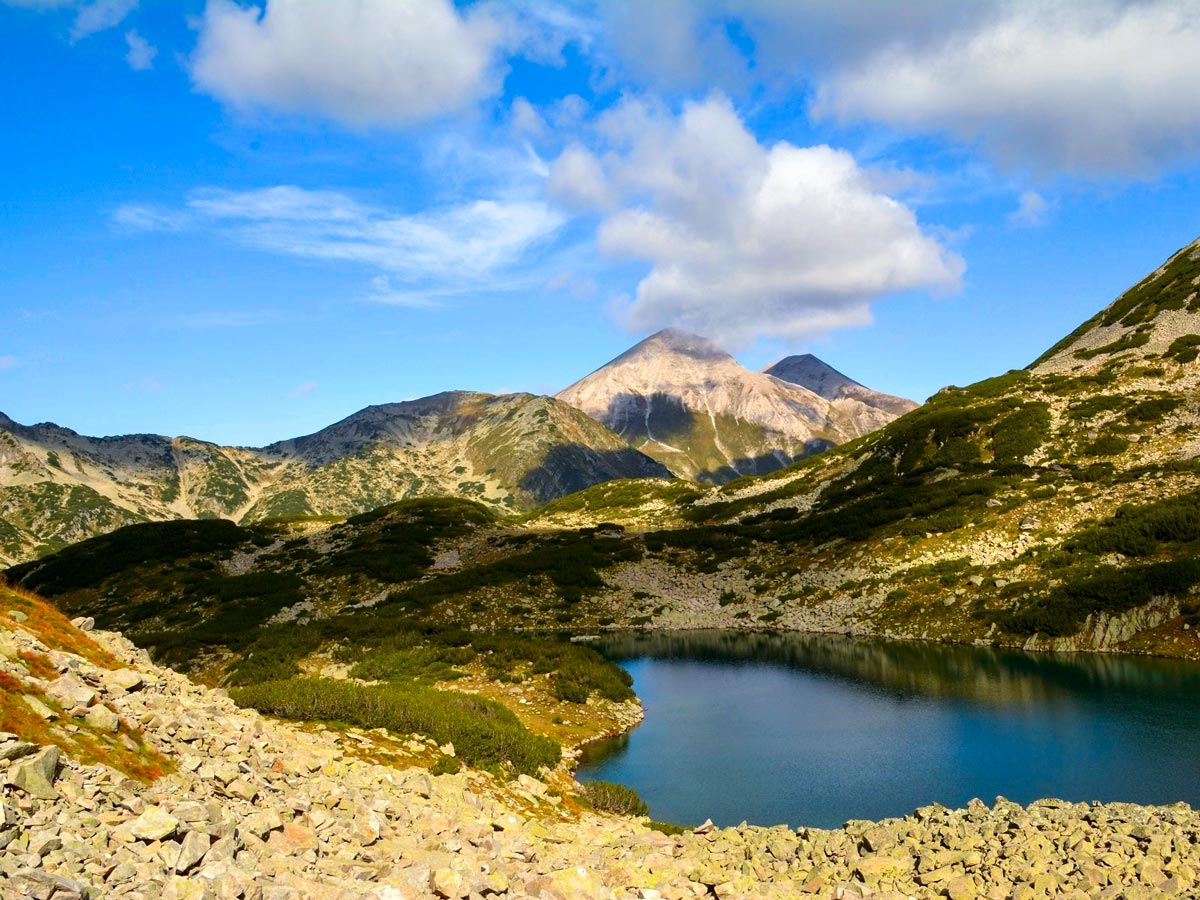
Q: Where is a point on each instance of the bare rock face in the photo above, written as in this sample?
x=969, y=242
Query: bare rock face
x=681, y=399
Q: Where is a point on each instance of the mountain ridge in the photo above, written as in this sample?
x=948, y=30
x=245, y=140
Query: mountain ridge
x=510, y=451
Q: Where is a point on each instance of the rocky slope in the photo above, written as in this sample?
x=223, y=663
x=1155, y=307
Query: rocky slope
x=260, y=809
x=682, y=400
x=510, y=452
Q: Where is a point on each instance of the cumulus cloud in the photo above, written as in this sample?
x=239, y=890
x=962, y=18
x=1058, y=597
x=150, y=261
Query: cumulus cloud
x=745, y=240
x=141, y=52
x=1105, y=88
x=1100, y=89
x=359, y=62
x=458, y=245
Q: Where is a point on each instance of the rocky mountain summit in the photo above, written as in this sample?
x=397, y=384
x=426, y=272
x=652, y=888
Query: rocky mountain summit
x=682, y=400
x=251, y=808
x=511, y=452
x=824, y=380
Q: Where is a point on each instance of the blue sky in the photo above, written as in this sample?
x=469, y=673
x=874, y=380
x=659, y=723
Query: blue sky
x=242, y=222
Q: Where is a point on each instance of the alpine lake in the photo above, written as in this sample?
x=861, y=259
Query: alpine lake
x=814, y=730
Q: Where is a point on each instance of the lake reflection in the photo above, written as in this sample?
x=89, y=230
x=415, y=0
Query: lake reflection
x=815, y=730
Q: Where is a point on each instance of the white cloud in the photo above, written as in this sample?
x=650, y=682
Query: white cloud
x=457, y=245
x=1099, y=88
x=360, y=62
x=141, y=52
x=1031, y=210
x=100, y=15
x=140, y=217
x=577, y=179
x=8, y=361
x=303, y=390
x=745, y=240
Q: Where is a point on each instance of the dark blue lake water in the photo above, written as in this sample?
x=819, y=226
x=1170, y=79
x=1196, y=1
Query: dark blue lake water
x=815, y=730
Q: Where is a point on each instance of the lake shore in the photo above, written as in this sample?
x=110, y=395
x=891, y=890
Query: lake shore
x=258, y=808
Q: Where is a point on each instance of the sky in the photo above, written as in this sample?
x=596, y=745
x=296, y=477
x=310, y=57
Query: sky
x=242, y=221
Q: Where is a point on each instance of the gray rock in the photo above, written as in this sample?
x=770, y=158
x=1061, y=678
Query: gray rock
x=154, y=824
x=195, y=845
x=44, y=886
x=36, y=774
x=102, y=718
x=70, y=692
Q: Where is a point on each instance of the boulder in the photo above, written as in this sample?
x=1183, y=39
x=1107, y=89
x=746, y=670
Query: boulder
x=69, y=692
x=155, y=824
x=35, y=775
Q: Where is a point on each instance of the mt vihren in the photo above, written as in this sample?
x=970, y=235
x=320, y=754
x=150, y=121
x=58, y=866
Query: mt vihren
x=682, y=400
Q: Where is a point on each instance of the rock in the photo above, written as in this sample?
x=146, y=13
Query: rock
x=69, y=692
x=102, y=718
x=707, y=828
x=154, y=824
x=45, y=886
x=36, y=774
x=15, y=749
x=84, y=623
x=195, y=845
x=364, y=829
x=449, y=883
x=39, y=708
x=123, y=680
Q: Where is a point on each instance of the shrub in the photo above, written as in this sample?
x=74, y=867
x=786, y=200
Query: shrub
x=610, y=797
x=569, y=691
x=1141, y=530
x=1106, y=445
x=484, y=733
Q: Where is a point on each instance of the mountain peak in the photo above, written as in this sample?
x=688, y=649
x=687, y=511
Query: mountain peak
x=815, y=374
x=675, y=341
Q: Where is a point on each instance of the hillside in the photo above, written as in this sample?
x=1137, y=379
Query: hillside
x=682, y=400
x=511, y=452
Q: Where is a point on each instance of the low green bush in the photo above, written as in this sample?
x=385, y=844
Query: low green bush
x=484, y=733
x=610, y=797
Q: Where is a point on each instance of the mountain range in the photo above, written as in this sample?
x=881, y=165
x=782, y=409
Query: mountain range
x=511, y=452
x=1052, y=507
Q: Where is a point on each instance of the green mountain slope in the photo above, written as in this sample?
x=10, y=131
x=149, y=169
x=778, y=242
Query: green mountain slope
x=510, y=452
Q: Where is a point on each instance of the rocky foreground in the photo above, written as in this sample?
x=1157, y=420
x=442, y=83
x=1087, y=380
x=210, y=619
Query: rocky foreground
x=267, y=810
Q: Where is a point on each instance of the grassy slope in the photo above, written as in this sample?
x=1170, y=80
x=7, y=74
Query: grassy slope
x=25, y=673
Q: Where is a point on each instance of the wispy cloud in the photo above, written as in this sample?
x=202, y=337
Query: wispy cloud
x=1031, y=210
x=303, y=390
x=453, y=248
x=141, y=52
x=8, y=361
x=100, y=15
